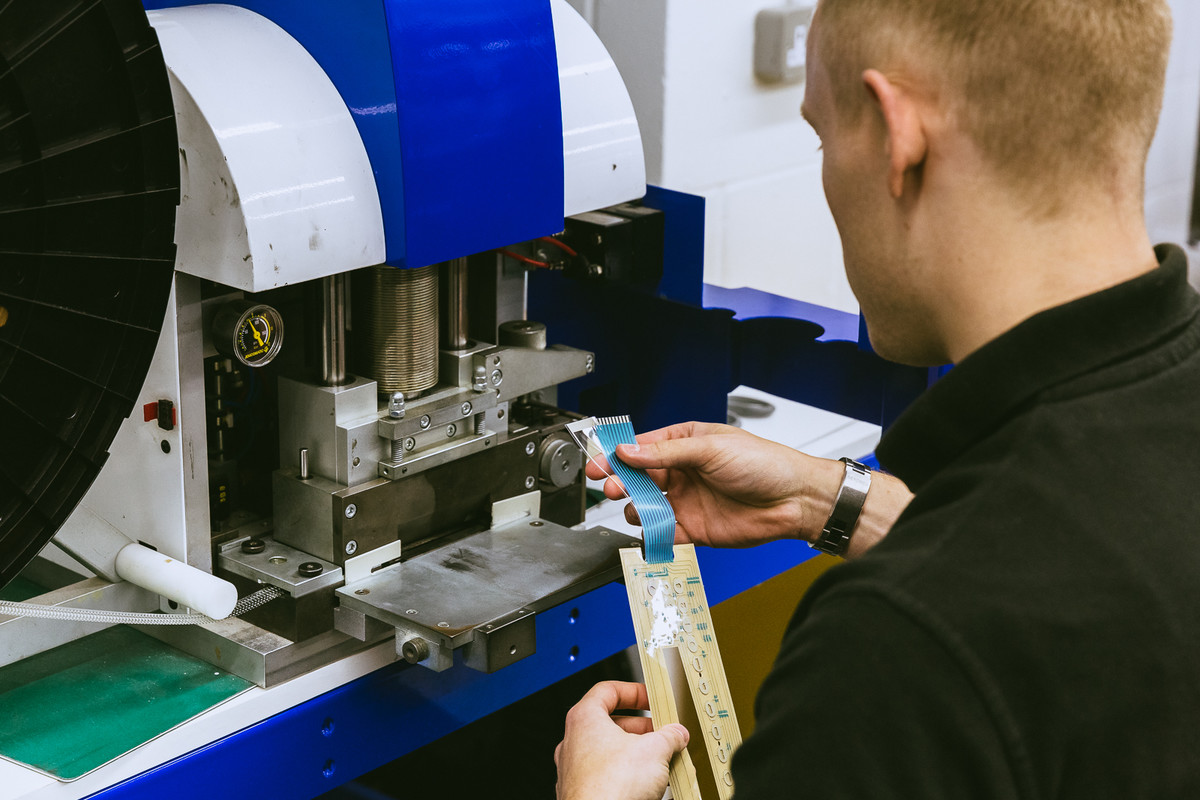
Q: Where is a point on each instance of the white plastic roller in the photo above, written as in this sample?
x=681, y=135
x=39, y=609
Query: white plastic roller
x=176, y=581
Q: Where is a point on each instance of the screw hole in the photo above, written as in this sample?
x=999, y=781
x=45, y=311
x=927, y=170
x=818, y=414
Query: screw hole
x=328, y=769
x=574, y=654
x=574, y=616
x=512, y=651
x=172, y=604
x=327, y=727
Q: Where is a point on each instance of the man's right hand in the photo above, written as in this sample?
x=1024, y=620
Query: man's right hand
x=730, y=488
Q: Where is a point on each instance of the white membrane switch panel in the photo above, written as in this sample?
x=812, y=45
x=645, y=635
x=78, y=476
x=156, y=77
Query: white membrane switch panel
x=671, y=616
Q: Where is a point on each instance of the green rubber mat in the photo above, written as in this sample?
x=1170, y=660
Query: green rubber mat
x=72, y=709
x=19, y=589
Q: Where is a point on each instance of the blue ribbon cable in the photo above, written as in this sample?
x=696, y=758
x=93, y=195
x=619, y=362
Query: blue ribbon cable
x=656, y=514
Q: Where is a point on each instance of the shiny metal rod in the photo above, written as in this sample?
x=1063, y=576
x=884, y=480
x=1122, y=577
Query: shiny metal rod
x=333, y=330
x=455, y=333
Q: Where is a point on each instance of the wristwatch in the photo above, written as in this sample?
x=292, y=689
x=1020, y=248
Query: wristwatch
x=835, y=536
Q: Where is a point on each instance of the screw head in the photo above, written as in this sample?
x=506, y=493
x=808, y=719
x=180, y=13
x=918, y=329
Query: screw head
x=590, y=363
x=411, y=611
x=451, y=430
x=443, y=624
x=424, y=422
x=530, y=482
x=497, y=377
x=351, y=510
x=351, y=547
x=466, y=409
x=530, y=447
x=310, y=569
x=253, y=546
x=362, y=591
x=410, y=443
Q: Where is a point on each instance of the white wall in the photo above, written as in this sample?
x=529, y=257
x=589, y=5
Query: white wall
x=712, y=129
x=1171, y=170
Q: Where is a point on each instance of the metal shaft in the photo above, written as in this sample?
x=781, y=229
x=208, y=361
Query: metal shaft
x=455, y=334
x=333, y=330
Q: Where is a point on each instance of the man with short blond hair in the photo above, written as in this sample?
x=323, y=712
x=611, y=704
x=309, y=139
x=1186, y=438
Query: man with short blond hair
x=1045, y=88
x=1019, y=614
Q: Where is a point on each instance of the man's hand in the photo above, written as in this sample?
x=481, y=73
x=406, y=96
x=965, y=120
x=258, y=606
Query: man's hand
x=730, y=488
x=623, y=758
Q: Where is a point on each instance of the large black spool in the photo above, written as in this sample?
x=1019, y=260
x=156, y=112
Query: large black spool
x=89, y=182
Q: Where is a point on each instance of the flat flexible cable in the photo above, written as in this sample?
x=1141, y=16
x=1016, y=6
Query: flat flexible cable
x=653, y=509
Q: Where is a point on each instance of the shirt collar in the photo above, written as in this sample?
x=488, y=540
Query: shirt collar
x=996, y=381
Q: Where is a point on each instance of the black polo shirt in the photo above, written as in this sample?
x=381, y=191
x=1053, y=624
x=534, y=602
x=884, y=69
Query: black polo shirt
x=1030, y=628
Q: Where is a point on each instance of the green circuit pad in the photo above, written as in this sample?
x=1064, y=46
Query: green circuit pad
x=72, y=709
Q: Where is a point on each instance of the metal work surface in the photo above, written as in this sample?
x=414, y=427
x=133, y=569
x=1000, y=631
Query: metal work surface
x=526, y=564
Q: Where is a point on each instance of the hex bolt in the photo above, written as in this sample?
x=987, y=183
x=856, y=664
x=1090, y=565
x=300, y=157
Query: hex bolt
x=530, y=482
x=253, y=546
x=451, y=430
x=396, y=405
x=310, y=569
x=414, y=651
x=497, y=377
x=530, y=447
x=410, y=443
x=351, y=510
x=424, y=422
x=351, y=547
x=480, y=383
x=466, y=409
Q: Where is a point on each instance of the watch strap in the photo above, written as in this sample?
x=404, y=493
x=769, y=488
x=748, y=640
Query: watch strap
x=835, y=536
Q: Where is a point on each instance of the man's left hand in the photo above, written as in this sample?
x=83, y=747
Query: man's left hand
x=604, y=756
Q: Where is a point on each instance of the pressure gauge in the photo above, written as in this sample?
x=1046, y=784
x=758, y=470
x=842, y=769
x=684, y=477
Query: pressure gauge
x=250, y=332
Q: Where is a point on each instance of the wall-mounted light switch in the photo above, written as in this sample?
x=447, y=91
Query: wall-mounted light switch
x=780, y=35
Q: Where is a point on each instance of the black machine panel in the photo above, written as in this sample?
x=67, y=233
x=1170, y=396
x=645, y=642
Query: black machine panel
x=89, y=183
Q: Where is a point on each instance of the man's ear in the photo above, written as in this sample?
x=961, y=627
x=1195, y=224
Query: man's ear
x=906, y=142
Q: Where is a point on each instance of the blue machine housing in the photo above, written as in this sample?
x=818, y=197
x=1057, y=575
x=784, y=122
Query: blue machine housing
x=459, y=112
